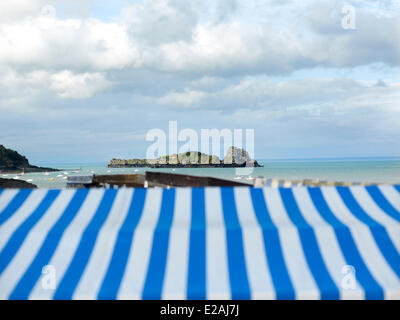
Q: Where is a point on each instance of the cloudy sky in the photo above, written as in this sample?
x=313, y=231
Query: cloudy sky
x=83, y=81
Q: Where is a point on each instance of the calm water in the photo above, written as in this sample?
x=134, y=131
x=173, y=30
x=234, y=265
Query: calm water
x=379, y=171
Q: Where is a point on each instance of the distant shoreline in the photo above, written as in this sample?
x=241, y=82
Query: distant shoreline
x=62, y=166
x=159, y=166
x=32, y=169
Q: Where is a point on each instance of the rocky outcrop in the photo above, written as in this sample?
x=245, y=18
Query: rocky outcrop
x=235, y=157
x=12, y=162
x=188, y=158
x=239, y=156
x=18, y=184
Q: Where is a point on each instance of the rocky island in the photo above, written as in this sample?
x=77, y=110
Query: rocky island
x=234, y=158
x=12, y=162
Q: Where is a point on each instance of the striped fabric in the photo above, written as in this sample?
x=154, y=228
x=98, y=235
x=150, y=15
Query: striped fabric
x=201, y=243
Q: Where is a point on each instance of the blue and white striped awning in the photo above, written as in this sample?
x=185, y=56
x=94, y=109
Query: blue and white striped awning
x=201, y=243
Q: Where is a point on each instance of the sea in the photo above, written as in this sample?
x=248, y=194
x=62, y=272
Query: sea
x=372, y=170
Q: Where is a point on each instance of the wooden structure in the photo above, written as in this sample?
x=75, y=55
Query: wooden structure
x=163, y=179
x=150, y=179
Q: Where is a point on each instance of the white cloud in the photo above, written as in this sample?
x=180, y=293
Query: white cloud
x=11, y=10
x=156, y=22
x=189, y=98
x=318, y=97
x=77, y=86
x=48, y=42
x=225, y=48
x=169, y=36
x=64, y=84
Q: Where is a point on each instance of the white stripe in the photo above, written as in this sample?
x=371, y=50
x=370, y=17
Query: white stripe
x=256, y=261
x=178, y=248
x=69, y=242
x=136, y=268
x=366, y=244
x=337, y=206
x=392, y=196
x=218, y=286
x=34, y=240
x=100, y=257
x=391, y=225
x=303, y=282
x=5, y=198
x=12, y=224
x=371, y=208
x=327, y=242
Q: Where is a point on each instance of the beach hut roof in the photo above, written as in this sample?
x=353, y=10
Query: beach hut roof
x=194, y=243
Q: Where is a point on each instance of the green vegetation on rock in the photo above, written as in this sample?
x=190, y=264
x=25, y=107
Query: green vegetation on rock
x=12, y=159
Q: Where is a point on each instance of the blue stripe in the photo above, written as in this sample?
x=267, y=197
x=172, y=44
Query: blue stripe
x=14, y=205
x=236, y=260
x=314, y=259
x=82, y=255
x=196, y=285
x=18, y=237
x=397, y=188
x=381, y=201
x=158, y=259
x=33, y=273
x=379, y=233
x=348, y=247
x=116, y=269
x=276, y=263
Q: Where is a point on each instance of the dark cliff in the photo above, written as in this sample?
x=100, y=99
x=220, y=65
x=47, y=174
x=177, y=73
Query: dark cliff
x=11, y=161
